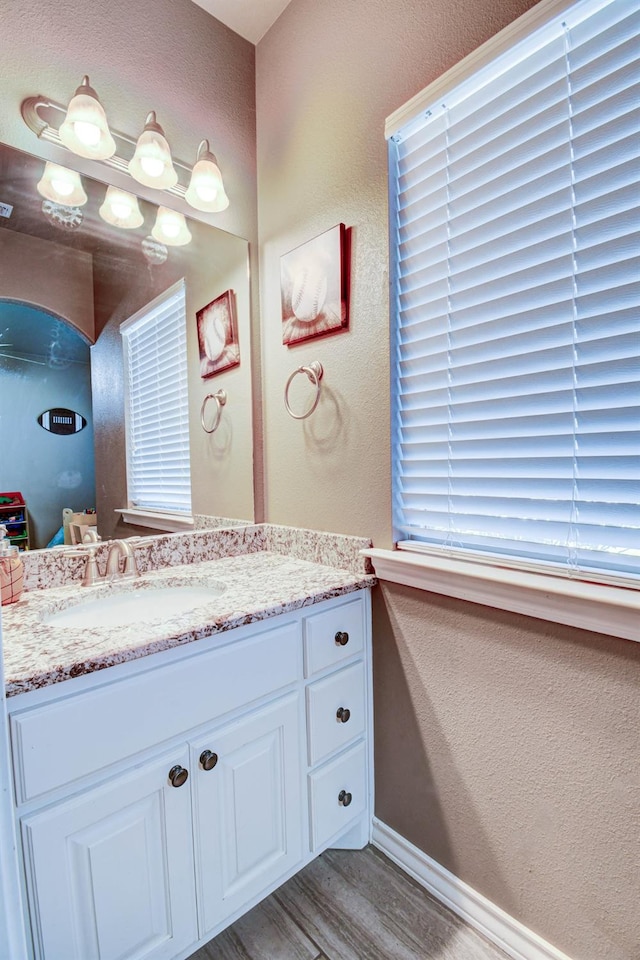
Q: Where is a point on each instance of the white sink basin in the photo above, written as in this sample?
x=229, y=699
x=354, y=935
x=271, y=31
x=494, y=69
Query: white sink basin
x=117, y=609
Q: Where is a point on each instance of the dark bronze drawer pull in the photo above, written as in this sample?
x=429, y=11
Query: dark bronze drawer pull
x=342, y=638
x=343, y=714
x=344, y=798
x=178, y=775
x=208, y=759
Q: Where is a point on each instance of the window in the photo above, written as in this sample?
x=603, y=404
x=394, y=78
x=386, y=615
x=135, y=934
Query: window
x=516, y=296
x=157, y=410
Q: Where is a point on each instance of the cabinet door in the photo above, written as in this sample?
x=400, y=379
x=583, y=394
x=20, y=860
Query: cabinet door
x=112, y=870
x=248, y=808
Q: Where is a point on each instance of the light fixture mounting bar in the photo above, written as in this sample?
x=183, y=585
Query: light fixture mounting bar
x=44, y=131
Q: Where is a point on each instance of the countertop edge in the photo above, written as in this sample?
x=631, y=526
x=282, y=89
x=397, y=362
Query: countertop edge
x=105, y=660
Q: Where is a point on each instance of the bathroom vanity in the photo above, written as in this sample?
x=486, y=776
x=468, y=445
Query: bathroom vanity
x=189, y=768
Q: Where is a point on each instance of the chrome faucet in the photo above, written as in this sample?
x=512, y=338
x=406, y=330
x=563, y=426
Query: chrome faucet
x=120, y=549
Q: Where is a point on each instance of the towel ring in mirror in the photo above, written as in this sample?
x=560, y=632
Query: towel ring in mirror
x=314, y=372
x=220, y=398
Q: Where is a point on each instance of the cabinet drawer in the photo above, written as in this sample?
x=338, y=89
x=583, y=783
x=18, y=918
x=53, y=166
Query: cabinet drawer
x=335, y=711
x=59, y=742
x=331, y=809
x=332, y=636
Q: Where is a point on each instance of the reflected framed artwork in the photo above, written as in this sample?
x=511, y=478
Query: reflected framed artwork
x=314, y=287
x=218, y=335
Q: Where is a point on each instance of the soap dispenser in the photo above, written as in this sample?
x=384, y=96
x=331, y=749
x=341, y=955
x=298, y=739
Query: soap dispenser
x=11, y=569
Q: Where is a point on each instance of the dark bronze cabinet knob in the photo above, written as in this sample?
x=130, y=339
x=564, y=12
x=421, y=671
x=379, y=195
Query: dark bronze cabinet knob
x=343, y=714
x=208, y=759
x=344, y=798
x=178, y=775
x=342, y=638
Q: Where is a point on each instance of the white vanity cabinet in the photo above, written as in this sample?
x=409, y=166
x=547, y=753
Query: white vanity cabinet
x=112, y=869
x=160, y=799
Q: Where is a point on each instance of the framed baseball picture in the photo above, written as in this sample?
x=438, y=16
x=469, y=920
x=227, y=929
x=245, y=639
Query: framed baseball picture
x=218, y=335
x=314, y=287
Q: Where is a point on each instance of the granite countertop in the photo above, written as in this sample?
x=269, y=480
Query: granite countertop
x=257, y=586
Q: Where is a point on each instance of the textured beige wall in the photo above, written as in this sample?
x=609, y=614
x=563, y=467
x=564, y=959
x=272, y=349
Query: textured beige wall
x=506, y=747
x=222, y=462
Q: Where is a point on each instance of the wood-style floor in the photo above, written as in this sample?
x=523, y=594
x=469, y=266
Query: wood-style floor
x=349, y=905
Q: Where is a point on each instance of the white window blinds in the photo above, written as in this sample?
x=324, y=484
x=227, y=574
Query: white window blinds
x=515, y=251
x=157, y=407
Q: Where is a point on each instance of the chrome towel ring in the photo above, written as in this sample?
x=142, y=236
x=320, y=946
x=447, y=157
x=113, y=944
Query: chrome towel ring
x=314, y=372
x=220, y=398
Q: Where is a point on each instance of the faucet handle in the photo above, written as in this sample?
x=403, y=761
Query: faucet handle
x=130, y=566
x=91, y=570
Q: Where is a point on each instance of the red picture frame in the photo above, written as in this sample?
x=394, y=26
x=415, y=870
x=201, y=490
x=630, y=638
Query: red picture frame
x=314, y=287
x=218, y=335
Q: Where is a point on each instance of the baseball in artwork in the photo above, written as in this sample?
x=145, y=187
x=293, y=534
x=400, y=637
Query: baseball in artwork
x=313, y=285
x=218, y=335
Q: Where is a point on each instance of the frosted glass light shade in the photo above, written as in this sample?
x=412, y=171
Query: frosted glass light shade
x=85, y=130
x=61, y=186
x=151, y=163
x=206, y=189
x=171, y=228
x=121, y=209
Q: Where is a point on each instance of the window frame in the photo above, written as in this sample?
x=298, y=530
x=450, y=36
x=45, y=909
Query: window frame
x=156, y=518
x=541, y=590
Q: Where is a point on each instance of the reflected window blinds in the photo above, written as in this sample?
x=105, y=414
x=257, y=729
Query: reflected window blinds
x=515, y=303
x=157, y=405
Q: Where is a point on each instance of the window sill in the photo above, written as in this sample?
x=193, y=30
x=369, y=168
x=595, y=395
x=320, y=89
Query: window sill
x=602, y=608
x=171, y=523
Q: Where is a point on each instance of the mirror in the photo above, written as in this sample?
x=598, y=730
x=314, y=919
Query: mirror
x=68, y=280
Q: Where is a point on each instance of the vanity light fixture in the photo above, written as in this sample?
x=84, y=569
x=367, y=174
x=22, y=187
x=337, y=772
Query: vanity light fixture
x=121, y=209
x=151, y=163
x=84, y=130
x=61, y=186
x=206, y=189
x=171, y=228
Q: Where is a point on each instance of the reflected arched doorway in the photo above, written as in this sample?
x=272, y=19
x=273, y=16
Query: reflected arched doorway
x=44, y=365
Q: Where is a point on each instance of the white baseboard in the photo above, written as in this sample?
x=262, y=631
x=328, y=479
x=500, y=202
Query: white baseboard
x=494, y=923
